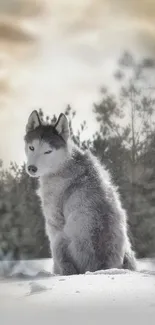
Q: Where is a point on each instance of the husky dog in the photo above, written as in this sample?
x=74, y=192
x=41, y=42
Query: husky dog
x=84, y=220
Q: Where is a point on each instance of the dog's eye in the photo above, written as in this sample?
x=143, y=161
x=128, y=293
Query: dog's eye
x=31, y=148
x=47, y=152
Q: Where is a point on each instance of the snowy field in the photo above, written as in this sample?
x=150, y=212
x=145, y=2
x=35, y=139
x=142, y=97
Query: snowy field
x=29, y=294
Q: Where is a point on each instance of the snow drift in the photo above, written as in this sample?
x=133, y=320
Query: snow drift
x=30, y=293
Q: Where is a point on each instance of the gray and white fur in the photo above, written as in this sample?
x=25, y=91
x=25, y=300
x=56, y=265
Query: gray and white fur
x=84, y=219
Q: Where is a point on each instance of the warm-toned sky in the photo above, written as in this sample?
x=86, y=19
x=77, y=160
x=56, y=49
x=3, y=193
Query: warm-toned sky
x=55, y=52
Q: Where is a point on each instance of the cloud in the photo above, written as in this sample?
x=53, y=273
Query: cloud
x=21, y=8
x=111, y=22
x=14, y=33
x=4, y=87
x=77, y=45
x=79, y=16
x=137, y=8
x=147, y=39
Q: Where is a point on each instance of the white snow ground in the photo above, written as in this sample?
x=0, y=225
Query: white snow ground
x=29, y=294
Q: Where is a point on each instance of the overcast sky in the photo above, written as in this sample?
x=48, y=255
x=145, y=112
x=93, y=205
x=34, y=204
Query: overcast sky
x=57, y=52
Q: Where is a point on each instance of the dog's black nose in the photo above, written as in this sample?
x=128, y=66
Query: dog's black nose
x=32, y=168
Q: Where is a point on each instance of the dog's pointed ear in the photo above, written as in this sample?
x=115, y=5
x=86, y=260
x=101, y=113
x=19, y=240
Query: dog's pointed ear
x=33, y=121
x=62, y=126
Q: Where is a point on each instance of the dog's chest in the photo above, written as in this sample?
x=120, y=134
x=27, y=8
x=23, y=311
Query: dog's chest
x=51, y=194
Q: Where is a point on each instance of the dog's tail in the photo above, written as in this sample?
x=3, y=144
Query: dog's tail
x=130, y=261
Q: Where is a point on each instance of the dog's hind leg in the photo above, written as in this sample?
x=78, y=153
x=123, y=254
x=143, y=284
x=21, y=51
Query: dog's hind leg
x=62, y=257
x=56, y=269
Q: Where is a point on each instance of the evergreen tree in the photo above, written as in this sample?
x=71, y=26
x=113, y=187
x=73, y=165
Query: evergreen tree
x=126, y=122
